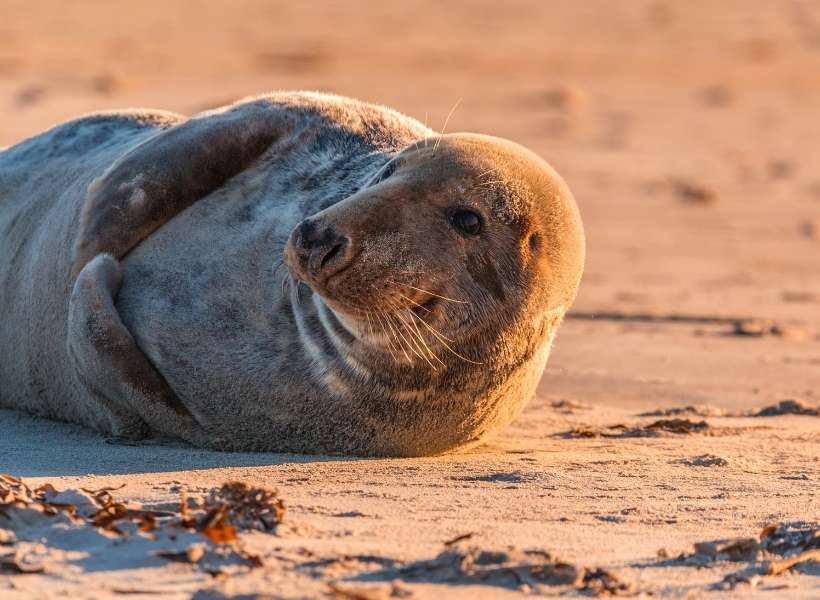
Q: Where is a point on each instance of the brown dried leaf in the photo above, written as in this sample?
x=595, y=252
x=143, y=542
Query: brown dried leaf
x=107, y=517
x=220, y=534
x=147, y=522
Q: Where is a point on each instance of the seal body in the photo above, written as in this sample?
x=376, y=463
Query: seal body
x=244, y=279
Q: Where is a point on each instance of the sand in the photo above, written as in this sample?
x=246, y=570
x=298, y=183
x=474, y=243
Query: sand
x=688, y=134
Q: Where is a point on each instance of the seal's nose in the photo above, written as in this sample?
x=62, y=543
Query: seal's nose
x=321, y=248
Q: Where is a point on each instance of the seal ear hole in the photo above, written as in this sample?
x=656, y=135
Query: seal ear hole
x=534, y=241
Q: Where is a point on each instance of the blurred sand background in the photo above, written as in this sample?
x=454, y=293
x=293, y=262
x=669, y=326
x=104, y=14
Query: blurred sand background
x=689, y=133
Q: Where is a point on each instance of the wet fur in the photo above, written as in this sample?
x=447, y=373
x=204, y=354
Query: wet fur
x=209, y=345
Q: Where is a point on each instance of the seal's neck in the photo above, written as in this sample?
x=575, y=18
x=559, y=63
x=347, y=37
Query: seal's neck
x=343, y=349
x=335, y=344
x=422, y=411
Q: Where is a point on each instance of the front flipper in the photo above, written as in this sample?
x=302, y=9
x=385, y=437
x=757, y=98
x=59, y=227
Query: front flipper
x=169, y=172
x=111, y=367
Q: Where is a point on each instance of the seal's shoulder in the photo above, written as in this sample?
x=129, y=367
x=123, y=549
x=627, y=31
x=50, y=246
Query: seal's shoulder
x=88, y=132
x=374, y=124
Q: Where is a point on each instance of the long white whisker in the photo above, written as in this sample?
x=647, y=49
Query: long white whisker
x=438, y=333
x=421, y=338
x=425, y=309
x=441, y=339
x=414, y=340
x=428, y=292
x=391, y=346
x=398, y=341
x=444, y=127
x=409, y=345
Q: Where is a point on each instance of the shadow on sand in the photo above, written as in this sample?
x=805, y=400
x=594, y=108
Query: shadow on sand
x=32, y=447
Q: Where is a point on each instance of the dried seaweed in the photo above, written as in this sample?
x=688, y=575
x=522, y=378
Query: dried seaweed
x=696, y=410
x=764, y=327
x=248, y=507
x=788, y=538
x=779, y=548
x=232, y=507
x=704, y=460
x=507, y=569
x=788, y=407
x=654, y=429
x=600, y=582
x=586, y=432
x=681, y=426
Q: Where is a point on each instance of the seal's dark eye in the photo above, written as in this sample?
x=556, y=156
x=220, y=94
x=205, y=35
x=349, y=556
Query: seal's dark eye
x=466, y=221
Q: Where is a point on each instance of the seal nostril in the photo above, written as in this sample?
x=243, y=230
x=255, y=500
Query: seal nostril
x=330, y=254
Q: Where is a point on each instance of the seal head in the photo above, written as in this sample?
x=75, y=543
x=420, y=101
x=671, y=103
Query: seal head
x=458, y=247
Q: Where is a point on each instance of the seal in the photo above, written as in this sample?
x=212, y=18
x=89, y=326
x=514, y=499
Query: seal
x=296, y=272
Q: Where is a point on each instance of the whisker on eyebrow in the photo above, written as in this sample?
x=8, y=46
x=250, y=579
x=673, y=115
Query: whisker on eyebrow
x=427, y=138
x=488, y=171
x=444, y=127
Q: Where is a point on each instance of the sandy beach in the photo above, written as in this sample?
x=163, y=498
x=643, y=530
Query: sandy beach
x=679, y=405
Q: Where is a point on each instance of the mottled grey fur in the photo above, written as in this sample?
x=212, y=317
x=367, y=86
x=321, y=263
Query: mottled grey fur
x=143, y=289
